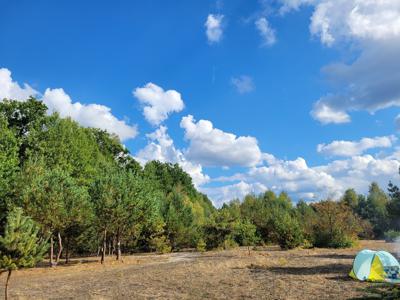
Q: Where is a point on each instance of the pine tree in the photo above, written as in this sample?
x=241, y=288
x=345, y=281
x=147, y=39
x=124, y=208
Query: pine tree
x=20, y=246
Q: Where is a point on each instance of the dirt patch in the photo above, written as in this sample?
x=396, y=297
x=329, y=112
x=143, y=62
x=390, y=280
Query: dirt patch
x=267, y=273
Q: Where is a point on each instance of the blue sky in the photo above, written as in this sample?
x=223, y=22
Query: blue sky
x=282, y=76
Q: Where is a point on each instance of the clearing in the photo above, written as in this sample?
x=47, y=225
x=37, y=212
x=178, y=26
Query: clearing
x=268, y=273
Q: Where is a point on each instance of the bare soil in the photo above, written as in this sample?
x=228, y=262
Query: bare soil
x=267, y=273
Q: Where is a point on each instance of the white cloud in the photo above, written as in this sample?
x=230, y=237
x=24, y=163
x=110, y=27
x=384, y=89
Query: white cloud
x=310, y=183
x=266, y=32
x=336, y=20
x=372, y=29
x=288, y=5
x=161, y=147
x=214, y=147
x=325, y=114
x=158, y=104
x=89, y=115
x=226, y=193
x=243, y=84
x=294, y=176
x=12, y=90
x=352, y=148
x=213, y=26
x=359, y=171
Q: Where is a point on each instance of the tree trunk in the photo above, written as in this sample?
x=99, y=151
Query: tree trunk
x=103, y=250
x=51, y=251
x=113, y=245
x=60, y=247
x=118, y=245
x=248, y=248
x=6, y=288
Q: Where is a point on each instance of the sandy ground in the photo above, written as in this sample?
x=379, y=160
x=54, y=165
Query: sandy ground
x=266, y=273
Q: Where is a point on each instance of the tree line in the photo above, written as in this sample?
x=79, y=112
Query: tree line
x=67, y=190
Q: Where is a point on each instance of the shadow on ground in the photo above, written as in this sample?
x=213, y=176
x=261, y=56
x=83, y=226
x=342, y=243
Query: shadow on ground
x=335, y=256
x=323, y=269
x=45, y=264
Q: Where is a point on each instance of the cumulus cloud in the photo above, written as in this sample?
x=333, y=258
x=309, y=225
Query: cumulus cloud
x=266, y=32
x=289, y=5
x=210, y=146
x=352, y=148
x=161, y=147
x=294, y=176
x=12, y=90
x=360, y=171
x=157, y=103
x=213, y=26
x=89, y=115
x=226, y=193
x=370, y=81
x=311, y=183
x=243, y=84
x=364, y=20
x=326, y=114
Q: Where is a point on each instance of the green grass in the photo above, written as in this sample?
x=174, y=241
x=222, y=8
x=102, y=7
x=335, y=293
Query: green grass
x=385, y=291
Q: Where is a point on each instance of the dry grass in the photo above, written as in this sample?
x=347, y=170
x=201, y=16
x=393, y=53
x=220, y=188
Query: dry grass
x=267, y=273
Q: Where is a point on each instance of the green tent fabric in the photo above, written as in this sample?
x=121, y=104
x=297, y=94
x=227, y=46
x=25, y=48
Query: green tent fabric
x=376, y=266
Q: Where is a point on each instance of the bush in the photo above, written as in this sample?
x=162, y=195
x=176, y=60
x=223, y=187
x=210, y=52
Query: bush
x=286, y=230
x=336, y=225
x=229, y=243
x=392, y=236
x=160, y=244
x=244, y=233
x=201, y=245
x=335, y=239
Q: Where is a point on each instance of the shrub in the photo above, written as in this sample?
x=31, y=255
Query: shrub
x=20, y=245
x=392, y=236
x=229, y=243
x=201, y=245
x=160, y=244
x=335, y=239
x=336, y=225
x=286, y=229
x=244, y=233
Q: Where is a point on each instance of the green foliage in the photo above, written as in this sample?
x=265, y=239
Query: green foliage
x=9, y=162
x=201, y=245
x=23, y=118
x=67, y=146
x=244, y=233
x=20, y=245
x=160, y=244
x=374, y=209
x=350, y=198
x=52, y=198
x=336, y=226
x=179, y=220
x=286, y=230
x=392, y=236
x=394, y=206
x=307, y=218
x=381, y=291
x=82, y=184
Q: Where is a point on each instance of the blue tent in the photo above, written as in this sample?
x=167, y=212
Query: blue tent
x=376, y=266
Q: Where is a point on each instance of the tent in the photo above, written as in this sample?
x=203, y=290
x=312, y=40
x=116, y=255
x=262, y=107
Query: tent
x=376, y=266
